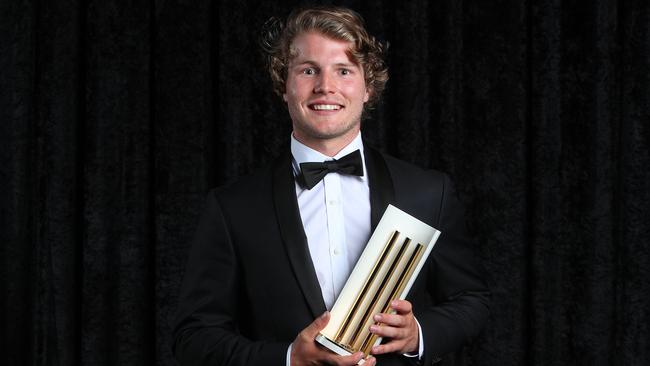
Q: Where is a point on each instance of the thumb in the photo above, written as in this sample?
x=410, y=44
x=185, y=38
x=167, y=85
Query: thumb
x=317, y=325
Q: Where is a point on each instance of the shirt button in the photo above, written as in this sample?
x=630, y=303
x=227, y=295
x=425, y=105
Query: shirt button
x=332, y=202
x=336, y=251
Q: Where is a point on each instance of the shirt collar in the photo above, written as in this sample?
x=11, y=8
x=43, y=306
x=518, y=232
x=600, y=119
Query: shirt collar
x=302, y=154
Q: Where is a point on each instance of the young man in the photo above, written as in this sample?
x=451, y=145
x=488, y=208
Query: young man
x=273, y=250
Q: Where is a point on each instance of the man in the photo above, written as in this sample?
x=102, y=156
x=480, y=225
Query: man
x=273, y=250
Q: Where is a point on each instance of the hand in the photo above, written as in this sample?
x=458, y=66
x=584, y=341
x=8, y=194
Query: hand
x=305, y=351
x=401, y=328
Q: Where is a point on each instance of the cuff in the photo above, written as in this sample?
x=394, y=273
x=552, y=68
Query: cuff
x=289, y=355
x=420, y=344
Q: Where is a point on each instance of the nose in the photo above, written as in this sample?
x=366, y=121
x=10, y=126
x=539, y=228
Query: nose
x=324, y=84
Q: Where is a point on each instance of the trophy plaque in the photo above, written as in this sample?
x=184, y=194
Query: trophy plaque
x=386, y=270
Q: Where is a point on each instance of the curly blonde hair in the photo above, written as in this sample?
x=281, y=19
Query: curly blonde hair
x=334, y=22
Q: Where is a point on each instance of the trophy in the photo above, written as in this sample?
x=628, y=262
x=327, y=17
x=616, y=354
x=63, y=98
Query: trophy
x=386, y=270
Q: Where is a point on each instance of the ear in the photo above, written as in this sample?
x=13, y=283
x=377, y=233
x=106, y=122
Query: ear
x=367, y=95
x=284, y=96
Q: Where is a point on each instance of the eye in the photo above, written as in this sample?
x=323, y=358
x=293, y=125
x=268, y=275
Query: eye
x=309, y=71
x=345, y=72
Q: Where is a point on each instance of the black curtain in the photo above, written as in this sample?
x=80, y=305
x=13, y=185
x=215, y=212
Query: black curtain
x=117, y=117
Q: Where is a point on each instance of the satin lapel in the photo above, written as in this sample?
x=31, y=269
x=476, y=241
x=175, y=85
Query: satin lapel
x=382, y=191
x=293, y=234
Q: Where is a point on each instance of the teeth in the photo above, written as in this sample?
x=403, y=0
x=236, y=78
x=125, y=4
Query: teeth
x=326, y=107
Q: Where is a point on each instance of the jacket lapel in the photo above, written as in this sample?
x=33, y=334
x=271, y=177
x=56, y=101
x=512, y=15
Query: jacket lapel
x=382, y=191
x=293, y=234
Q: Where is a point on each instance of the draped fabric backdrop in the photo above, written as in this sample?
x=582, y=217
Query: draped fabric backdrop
x=117, y=117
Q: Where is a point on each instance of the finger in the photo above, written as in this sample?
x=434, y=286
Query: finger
x=391, y=319
x=316, y=326
x=370, y=361
x=401, y=306
x=387, y=331
x=389, y=347
x=350, y=360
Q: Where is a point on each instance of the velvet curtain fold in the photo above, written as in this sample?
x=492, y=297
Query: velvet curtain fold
x=117, y=117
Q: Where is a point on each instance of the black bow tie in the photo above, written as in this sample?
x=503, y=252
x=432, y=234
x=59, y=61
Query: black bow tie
x=350, y=164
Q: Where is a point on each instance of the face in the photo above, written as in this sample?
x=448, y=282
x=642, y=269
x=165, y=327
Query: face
x=325, y=92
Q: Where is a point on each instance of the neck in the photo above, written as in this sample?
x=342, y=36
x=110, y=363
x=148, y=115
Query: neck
x=327, y=147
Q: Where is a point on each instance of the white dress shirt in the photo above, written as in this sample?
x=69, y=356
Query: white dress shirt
x=336, y=217
x=335, y=214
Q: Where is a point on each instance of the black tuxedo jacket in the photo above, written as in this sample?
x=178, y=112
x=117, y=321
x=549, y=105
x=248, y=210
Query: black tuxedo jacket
x=250, y=286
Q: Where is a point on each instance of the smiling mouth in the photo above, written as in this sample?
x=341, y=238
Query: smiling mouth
x=325, y=107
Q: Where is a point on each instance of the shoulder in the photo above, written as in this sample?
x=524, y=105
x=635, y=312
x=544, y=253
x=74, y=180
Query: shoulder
x=421, y=192
x=255, y=186
x=400, y=166
x=408, y=175
x=244, y=185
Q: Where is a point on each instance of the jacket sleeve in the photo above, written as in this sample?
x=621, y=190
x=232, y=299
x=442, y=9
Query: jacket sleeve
x=458, y=304
x=210, y=308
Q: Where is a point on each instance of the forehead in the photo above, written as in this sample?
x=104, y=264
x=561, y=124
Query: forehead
x=316, y=47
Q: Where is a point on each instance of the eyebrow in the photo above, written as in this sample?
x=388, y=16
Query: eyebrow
x=339, y=64
x=347, y=64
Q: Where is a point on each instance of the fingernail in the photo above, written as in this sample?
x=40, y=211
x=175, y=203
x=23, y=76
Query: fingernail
x=374, y=328
x=377, y=317
x=393, y=303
